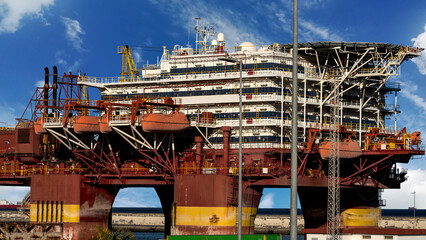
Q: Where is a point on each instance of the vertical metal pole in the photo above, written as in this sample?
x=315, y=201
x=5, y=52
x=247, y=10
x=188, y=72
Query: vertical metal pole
x=293, y=198
x=282, y=113
x=396, y=104
x=240, y=155
x=414, y=207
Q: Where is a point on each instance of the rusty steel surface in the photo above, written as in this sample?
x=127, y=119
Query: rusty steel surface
x=76, y=163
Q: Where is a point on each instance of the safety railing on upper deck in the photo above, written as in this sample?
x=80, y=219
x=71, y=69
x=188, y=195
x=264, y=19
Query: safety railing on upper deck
x=202, y=75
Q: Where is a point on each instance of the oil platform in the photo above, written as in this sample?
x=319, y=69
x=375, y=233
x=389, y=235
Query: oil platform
x=173, y=126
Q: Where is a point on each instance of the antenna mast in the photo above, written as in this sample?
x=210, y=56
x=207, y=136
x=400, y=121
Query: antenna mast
x=203, y=32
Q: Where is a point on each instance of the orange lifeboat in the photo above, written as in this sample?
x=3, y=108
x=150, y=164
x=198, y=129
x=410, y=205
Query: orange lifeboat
x=173, y=122
x=86, y=124
x=104, y=125
x=347, y=150
x=38, y=126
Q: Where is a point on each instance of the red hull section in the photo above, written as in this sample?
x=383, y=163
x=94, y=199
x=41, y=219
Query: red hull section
x=174, y=122
x=68, y=200
x=347, y=150
x=86, y=124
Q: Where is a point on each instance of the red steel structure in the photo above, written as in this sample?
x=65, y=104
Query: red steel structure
x=77, y=154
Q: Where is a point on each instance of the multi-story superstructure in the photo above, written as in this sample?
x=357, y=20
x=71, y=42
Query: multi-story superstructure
x=208, y=87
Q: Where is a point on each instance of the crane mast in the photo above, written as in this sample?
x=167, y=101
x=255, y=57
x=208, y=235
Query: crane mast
x=333, y=206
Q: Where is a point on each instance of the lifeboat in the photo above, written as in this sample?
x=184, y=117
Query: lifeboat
x=38, y=126
x=104, y=125
x=347, y=150
x=86, y=124
x=173, y=122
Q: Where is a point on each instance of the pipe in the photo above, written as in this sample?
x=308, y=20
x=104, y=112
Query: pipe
x=46, y=87
x=55, y=85
x=226, y=134
x=198, y=152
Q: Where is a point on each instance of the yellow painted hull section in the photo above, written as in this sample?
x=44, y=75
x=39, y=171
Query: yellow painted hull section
x=361, y=217
x=52, y=212
x=213, y=216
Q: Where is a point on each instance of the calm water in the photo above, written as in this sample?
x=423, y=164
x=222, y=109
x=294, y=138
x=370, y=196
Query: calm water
x=158, y=235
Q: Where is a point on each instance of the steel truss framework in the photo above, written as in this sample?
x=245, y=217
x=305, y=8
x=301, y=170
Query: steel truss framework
x=344, y=70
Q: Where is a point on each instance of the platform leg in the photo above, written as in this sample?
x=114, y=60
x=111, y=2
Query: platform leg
x=207, y=204
x=68, y=200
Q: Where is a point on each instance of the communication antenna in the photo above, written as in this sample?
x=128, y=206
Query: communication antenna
x=203, y=32
x=333, y=206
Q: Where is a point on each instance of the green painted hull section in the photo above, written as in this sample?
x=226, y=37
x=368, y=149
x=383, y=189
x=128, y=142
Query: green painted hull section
x=225, y=237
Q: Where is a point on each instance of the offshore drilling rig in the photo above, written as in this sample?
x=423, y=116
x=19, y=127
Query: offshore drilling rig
x=173, y=126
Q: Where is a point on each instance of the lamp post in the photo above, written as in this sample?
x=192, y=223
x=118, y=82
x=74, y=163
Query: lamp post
x=240, y=146
x=293, y=193
x=414, y=208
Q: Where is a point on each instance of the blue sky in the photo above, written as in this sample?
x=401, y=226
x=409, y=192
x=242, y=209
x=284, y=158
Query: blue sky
x=83, y=35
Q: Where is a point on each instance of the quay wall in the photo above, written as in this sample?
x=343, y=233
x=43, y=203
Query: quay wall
x=264, y=223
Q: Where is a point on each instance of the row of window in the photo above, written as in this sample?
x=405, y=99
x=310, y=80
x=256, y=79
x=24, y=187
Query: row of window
x=276, y=114
x=250, y=139
x=250, y=90
x=246, y=67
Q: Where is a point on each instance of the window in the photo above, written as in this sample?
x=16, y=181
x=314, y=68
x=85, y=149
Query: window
x=23, y=135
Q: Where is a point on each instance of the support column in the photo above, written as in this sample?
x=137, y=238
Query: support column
x=359, y=207
x=67, y=199
x=207, y=204
x=165, y=193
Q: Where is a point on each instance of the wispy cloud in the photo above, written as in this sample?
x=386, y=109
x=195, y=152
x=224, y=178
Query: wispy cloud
x=68, y=65
x=74, y=32
x=232, y=24
x=420, y=41
x=281, y=17
x=267, y=201
x=39, y=83
x=8, y=114
x=313, y=32
x=137, y=56
x=13, y=11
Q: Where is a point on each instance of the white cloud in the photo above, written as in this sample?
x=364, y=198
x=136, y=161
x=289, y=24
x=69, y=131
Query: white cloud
x=137, y=56
x=13, y=194
x=13, y=11
x=420, y=41
x=267, y=201
x=137, y=197
x=409, y=91
x=281, y=17
x=232, y=24
x=313, y=32
x=74, y=31
x=39, y=83
x=403, y=198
